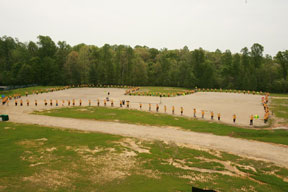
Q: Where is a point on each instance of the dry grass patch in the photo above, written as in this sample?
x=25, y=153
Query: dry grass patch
x=134, y=145
x=51, y=179
x=2, y=188
x=32, y=143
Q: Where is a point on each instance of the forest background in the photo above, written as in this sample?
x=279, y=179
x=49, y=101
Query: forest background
x=48, y=63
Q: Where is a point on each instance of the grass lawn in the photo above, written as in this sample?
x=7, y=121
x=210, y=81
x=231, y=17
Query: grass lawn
x=156, y=91
x=279, y=94
x=162, y=89
x=35, y=158
x=280, y=110
x=30, y=90
x=147, y=118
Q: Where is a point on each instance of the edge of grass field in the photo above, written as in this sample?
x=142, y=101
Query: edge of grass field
x=201, y=126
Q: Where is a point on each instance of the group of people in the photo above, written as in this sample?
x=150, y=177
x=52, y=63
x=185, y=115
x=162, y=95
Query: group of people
x=123, y=102
x=228, y=91
x=182, y=112
x=266, y=108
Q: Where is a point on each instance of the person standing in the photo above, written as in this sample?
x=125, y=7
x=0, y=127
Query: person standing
x=251, y=119
x=234, y=118
x=157, y=107
x=266, y=116
x=173, y=109
x=165, y=108
x=212, y=115
x=182, y=110
x=264, y=105
x=202, y=112
x=140, y=105
x=112, y=103
x=35, y=102
x=219, y=116
x=194, y=112
x=266, y=98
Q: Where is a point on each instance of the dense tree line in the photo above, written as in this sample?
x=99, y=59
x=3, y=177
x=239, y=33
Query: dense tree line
x=48, y=63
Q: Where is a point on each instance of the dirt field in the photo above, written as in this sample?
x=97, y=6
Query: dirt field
x=224, y=103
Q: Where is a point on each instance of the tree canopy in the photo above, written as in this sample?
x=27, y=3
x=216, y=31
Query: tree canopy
x=48, y=63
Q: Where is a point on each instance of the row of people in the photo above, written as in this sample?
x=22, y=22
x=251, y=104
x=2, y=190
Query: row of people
x=186, y=92
x=266, y=107
x=127, y=103
x=229, y=91
x=102, y=86
x=194, y=112
x=132, y=90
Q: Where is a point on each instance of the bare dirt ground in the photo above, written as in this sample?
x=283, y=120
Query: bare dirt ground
x=226, y=104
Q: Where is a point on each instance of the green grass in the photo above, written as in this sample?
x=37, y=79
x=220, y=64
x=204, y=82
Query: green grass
x=37, y=158
x=140, y=117
x=162, y=89
x=279, y=94
x=156, y=91
x=30, y=90
x=280, y=109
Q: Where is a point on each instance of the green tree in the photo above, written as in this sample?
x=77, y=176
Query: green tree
x=84, y=64
x=72, y=73
x=282, y=59
x=226, y=69
x=237, y=71
x=47, y=47
x=257, y=54
x=32, y=49
x=107, y=64
x=63, y=49
x=25, y=75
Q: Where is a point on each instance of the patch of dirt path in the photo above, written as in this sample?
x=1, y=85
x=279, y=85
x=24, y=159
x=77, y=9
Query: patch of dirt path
x=260, y=150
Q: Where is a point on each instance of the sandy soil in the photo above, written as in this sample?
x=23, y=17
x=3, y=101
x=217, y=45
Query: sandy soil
x=225, y=103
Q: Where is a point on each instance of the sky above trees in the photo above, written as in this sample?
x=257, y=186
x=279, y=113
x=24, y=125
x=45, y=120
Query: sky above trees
x=210, y=24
